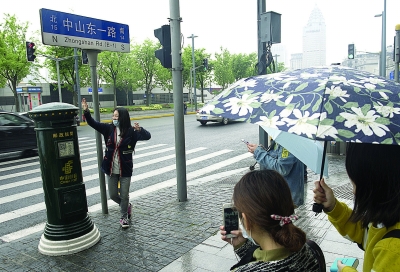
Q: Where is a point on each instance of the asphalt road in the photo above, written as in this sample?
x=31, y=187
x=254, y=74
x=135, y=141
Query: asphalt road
x=213, y=151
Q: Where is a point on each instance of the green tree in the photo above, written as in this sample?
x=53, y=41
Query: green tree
x=13, y=63
x=243, y=65
x=110, y=67
x=163, y=78
x=130, y=77
x=66, y=68
x=146, y=59
x=223, y=74
x=187, y=66
x=203, y=76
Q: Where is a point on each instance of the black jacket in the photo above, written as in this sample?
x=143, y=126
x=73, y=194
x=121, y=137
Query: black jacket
x=125, y=149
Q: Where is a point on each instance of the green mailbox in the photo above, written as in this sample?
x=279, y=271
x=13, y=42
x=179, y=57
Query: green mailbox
x=69, y=229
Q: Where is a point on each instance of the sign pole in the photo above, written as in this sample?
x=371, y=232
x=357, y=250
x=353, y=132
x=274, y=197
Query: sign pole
x=92, y=57
x=77, y=85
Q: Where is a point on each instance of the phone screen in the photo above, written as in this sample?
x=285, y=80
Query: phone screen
x=231, y=216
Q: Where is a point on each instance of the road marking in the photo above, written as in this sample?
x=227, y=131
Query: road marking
x=168, y=183
x=86, y=178
x=37, y=170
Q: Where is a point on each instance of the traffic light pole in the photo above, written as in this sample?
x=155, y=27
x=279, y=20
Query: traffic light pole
x=262, y=135
x=175, y=22
x=92, y=56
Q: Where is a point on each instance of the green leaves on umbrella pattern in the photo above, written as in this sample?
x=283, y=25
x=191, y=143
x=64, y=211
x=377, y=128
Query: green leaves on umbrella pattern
x=324, y=103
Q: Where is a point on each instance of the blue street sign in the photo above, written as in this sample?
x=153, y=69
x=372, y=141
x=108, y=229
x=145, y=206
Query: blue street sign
x=99, y=90
x=70, y=30
x=29, y=89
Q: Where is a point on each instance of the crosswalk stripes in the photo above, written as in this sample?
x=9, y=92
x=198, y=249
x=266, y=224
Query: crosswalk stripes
x=163, y=162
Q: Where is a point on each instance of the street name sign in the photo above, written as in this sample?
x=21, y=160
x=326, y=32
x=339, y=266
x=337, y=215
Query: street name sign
x=70, y=30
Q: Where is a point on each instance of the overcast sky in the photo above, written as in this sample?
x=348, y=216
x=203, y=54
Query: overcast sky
x=232, y=24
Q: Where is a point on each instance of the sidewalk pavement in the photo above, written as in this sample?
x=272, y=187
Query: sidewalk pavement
x=167, y=235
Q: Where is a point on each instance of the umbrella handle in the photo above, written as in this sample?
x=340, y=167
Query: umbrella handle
x=252, y=166
x=317, y=208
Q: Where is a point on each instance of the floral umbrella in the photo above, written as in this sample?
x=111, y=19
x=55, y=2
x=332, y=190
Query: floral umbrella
x=332, y=103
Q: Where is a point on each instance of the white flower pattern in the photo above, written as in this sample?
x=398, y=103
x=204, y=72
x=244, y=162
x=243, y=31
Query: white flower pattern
x=241, y=105
x=365, y=123
x=332, y=103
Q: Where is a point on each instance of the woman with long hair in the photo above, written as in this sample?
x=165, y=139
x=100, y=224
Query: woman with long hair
x=120, y=139
x=266, y=211
x=374, y=171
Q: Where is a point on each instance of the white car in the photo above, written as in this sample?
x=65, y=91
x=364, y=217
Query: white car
x=203, y=118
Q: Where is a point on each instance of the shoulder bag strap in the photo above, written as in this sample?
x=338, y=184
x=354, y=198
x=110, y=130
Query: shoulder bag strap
x=248, y=257
x=392, y=234
x=319, y=255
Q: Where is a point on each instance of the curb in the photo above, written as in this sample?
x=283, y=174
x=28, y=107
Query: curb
x=139, y=118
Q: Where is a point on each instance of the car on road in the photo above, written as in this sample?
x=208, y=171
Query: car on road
x=204, y=118
x=17, y=135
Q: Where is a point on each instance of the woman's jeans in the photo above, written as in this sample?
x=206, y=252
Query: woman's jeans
x=122, y=199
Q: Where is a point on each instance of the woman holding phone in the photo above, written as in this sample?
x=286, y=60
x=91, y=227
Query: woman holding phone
x=120, y=139
x=268, y=241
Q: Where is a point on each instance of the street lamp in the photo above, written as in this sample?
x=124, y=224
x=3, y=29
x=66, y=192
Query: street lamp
x=57, y=60
x=382, y=62
x=194, y=71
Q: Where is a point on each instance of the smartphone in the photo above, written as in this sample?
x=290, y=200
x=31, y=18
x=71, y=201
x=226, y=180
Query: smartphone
x=353, y=262
x=244, y=141
x=231, y=219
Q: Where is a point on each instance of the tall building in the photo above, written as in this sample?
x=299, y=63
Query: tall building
x=296, y=61
x=314, y=40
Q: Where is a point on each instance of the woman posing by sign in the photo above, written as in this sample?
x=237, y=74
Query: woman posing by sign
x=120, y=139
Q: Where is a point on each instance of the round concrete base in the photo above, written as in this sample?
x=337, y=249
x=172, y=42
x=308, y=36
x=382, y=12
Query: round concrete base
x=66, y=247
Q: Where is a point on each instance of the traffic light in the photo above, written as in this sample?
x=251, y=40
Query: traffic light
x=164, y=54
x=351, y=51
x=30, y=51
x=84, y=57
x=205, y=64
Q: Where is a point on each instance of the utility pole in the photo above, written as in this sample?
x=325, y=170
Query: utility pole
x=263, y=136
x=384, y=39
x=194, y=72
x=397, y=53
x=382, y=56
x=180, y=153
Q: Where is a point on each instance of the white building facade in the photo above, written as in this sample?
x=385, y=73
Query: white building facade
x=314, y=40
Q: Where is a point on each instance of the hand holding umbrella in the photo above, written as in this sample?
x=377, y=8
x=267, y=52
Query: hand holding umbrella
x=323, y=195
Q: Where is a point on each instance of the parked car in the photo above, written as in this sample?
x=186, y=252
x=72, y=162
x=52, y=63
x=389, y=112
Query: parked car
x=204, y=118
x=17, y=135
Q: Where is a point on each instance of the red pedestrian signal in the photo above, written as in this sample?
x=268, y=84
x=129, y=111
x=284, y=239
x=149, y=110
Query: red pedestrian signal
x=30, y=51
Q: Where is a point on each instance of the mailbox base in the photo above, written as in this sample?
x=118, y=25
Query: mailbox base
x=66, y=247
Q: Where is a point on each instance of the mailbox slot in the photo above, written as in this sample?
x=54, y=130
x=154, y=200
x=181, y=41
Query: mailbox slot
x=71, y=200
